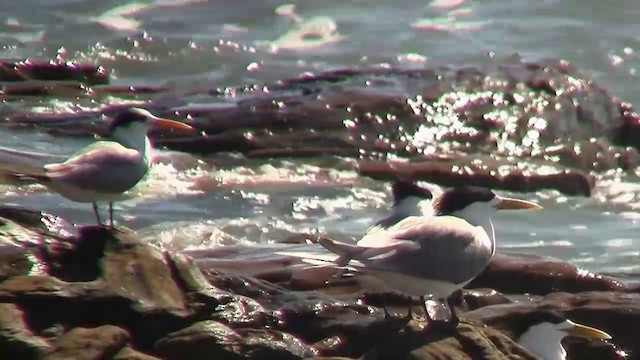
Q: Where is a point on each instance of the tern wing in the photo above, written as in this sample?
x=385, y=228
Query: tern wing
x=362, y=253
x=373, y=237
x=444, y=247
x=104, y=166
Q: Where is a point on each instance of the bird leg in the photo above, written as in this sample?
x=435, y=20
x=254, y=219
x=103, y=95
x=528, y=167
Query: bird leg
x=457, y=297
x=454, y=320
x=111, y=214
x=386, y=313
x=409, y=315
x=423, y=303
x=95, y=211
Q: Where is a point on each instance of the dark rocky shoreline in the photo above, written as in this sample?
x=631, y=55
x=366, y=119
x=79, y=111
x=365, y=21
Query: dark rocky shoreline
x=93, y=294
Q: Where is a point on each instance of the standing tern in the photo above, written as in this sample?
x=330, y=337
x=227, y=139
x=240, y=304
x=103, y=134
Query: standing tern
x=432, y=255
x=409, y=199
x=104, y=170
x=542, y=331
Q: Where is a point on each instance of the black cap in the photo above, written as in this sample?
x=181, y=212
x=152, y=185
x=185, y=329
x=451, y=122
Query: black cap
x=129, y=116
x=402, y=189
x=460, y=197
x=518, y=323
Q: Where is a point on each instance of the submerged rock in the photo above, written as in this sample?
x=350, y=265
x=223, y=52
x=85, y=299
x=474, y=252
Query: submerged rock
x=459, y=171
x=538, y=275
x=29, y=70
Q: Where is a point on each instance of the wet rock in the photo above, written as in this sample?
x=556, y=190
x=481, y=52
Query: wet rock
x=15, y=261
x=111, y=294
x=628, y=132
x=345, y=329
x=531, y=274
x=29, y=70
x=128, y=353
x=16, y=339
x=614, y=312
x=29, y=228
x=496, y=116
x=477, y=298
x=459, y=171
x=592, y=155
x=213, y=296
x=132, y=281
x=466, y=342
x=89, y=343
x=211, y=339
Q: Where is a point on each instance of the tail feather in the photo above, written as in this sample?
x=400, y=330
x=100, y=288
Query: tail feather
x=346, y=252
x=23, y=163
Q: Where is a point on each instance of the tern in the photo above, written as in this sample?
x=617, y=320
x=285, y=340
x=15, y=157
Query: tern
x=432, y=255
x=409, y=199
x=542, y=331
x=104, y=170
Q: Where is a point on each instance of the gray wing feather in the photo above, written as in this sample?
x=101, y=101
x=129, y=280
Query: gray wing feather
x=106, y=167
x=447, y=250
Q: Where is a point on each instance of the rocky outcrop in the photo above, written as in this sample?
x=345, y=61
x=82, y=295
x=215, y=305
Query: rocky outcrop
x=104, y=295
x=537, y=275
x=97, y=294
x=614, y=312
x=31, y=69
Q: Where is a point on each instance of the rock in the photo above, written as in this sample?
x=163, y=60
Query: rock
x=118, y=298
x=614, y=312
x=15, y=260
x=213, y=340
x=29, y=70
x=211, y=302
x=509, y=120
x=628, y=132
x=532, y=274
x=132, y=281
x=89, y=344
x=16, y=340
x=458, y=171
x=467, y=342
x=128, y=353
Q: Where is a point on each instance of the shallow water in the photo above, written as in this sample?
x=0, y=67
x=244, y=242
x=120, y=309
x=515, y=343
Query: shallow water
x=197, y=203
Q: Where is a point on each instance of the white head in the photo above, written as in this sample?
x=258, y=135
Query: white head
x=545, y=330
x=130, y=127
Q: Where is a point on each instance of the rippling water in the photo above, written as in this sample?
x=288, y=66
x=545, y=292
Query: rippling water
x=196, y=203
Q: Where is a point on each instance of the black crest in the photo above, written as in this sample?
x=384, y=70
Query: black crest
x=402, y=189
x=520, y=323
x=128, y=117
x=460, y=197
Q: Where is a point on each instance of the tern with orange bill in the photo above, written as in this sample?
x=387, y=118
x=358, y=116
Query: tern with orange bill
x=541, y=331
x=105, y=170
x=432, y=255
